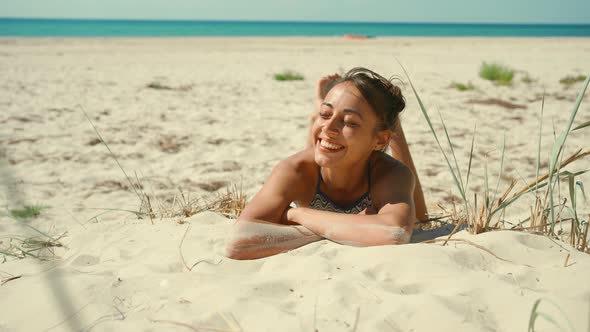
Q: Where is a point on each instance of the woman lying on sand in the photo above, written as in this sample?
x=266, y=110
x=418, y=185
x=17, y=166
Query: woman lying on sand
x=344, y=187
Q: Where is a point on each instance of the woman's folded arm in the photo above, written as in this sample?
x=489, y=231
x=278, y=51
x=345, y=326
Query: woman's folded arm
x=253, y=239
x=393, y=223
x=356, y=230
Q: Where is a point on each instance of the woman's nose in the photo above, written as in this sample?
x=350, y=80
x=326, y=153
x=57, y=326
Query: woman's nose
x=332, y=126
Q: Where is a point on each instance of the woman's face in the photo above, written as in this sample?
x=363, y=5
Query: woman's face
x=345, y=129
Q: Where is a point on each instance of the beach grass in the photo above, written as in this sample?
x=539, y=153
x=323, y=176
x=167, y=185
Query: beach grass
x=483, y=212
x=28, y=211
x=288, y=75
x=462, y=87
x=558, y=324
x=229, y=204
x=496, y=73
x=36, y=247
x=571, y=79
x=40, y=246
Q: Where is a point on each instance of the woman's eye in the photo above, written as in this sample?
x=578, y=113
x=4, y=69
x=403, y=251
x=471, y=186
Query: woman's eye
x=325, y=115
x=350, y=124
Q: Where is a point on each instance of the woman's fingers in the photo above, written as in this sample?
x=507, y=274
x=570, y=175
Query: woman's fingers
x=324, y=83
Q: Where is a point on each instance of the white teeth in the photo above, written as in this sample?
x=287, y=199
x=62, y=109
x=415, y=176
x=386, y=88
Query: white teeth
x=330, y=145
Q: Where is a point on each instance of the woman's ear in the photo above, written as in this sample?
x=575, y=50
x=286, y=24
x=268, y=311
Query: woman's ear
x=383, y=138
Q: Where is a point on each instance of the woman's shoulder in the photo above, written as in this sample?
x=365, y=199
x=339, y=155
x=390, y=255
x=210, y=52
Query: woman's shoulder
x=299, y=166
x=295, y=176
x=384, y=163
x=385, y=169
x=391, y=180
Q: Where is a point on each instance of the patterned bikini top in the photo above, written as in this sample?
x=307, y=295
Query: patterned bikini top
x=321, y=202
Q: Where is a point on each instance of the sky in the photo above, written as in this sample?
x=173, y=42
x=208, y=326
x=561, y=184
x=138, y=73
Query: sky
x=443, y=11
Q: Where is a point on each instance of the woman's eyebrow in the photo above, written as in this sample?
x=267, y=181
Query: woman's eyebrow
x=348, y=110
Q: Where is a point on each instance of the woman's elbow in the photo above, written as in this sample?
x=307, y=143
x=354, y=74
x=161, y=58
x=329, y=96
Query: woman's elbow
x=233, y=252
x=396, y=235
x=234, y=246
x=240, y=247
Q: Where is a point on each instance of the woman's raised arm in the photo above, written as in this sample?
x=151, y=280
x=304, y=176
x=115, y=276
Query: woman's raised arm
x=401, y=151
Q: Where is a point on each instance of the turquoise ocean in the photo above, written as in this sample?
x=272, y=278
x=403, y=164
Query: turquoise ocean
x=152, y=28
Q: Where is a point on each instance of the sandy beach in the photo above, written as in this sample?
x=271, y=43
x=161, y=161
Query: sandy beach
x=202, y=115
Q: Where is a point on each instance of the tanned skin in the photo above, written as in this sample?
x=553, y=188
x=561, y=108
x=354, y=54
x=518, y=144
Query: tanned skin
x=345, y=146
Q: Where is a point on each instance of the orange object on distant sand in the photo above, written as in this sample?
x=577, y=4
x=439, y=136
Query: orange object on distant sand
x=357, y=37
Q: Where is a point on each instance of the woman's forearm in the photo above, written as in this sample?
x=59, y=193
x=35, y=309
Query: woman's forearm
x=352, y=229
x=257, y=239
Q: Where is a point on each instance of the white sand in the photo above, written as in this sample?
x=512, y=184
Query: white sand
x=232, y=126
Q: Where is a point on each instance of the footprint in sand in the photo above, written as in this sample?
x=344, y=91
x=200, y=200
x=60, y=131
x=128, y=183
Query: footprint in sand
x=86, y=260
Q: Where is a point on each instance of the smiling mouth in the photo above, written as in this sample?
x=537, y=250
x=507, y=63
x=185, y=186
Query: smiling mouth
x=333, y=147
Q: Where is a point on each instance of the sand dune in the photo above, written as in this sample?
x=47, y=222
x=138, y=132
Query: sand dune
x=220, y=120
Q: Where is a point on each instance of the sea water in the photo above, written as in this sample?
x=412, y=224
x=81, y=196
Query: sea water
x=154, y=28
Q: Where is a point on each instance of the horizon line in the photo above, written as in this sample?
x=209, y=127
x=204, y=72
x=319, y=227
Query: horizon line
x=270, y=21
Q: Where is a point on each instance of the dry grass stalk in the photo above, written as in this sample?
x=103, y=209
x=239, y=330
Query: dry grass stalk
x=575, y=156
x=182, y=256
x=538, y=214
x=480, y=219
x=567, y=258
x=230, y=204
x=583, y=240
x=579, y=236
x=181, y=205
x=3, y=281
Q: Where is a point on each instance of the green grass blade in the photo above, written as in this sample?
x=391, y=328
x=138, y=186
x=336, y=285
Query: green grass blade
x=486, y=189
x=457, y=183
x=535, y=313
x=567, y=173
x=583, y=125
x=425, y=113
x=533, y=316
x=501, y=168
x=571, y=212
x=550, y=320
x=572, y=191
x=580, y=185
x=452, y=152
x=8, y=253
x=559, y=144
x=513, y=199
x=34, y=229
x=470, y=157
x=538, y=165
